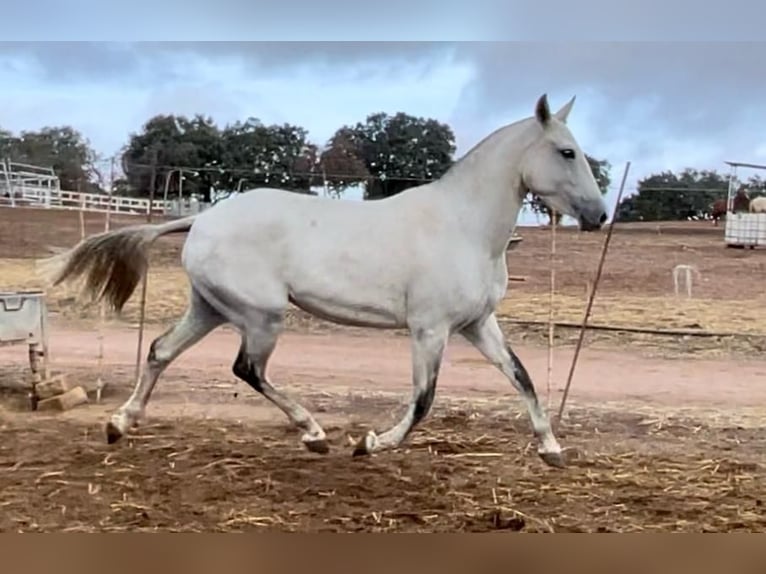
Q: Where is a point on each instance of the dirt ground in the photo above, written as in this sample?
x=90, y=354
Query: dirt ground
x=657, y=441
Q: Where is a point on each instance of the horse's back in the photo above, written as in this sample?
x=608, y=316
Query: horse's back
x=294, y=208
x=758, y=204
x=300, y=234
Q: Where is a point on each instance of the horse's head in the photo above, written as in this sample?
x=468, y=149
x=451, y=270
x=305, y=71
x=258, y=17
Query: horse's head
x=718, y=207
x=557, y=171
x=741, y=201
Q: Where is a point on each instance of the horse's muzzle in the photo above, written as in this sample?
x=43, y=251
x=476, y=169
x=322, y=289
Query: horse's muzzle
x=587, y=224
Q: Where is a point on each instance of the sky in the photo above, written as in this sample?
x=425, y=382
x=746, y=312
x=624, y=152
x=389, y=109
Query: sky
x=658, y=104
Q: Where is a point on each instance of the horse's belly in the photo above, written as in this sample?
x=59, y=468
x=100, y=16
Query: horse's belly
x=350, y=311
x=351, y=282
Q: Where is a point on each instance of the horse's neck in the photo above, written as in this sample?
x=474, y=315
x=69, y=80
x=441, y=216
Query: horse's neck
x=486, y=190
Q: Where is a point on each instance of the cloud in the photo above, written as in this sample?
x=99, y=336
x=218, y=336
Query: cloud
x=661, y=105
x=518, y=20
x=274, y=20
x=318, y=85
x=694, y=86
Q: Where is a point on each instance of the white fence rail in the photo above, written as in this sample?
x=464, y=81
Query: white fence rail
x=47, y=198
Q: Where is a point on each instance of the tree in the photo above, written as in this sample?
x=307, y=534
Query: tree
x=399, y=152
x=600, y=169
x=61, y=148
x=238, y=156
x=669, y=196
x=6, y=143
x=121, y=186
x=755, y=186
x=340, y=164
x=277, y=155
x=174, y=142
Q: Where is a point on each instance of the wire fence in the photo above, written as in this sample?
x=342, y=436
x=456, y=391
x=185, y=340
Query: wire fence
x=372, y=177
x=111, y=171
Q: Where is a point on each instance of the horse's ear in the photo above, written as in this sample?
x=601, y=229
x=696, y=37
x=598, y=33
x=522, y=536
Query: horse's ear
x=542, y=110
x=563, y=113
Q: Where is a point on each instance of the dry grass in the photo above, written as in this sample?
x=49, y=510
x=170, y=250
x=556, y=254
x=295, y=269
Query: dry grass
x=646, y=312
x=168, y=294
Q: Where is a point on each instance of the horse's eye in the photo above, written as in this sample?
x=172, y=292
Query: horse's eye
x=568, y=153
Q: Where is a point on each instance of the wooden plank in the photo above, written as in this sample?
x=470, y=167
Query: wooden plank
x=68, y=400
x=52, y=387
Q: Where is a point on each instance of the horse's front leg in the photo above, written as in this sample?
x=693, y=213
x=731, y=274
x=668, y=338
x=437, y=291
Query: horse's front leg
x=427, y=351
x=487, y=337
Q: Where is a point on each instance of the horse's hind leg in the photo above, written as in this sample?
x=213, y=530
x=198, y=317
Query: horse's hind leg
x=200, y=318
x=258, y=344
x=487, y=337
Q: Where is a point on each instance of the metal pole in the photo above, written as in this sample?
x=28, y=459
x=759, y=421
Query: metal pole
x=142, y=316
x=584, y=324
x=551, y=322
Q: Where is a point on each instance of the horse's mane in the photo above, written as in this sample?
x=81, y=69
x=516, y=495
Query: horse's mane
x=475, y=149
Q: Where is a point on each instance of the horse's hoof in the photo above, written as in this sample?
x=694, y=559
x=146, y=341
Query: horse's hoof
x=366, y=445
x=361, y=448
x=113, y=434
x=317, y=446
x=553, y=459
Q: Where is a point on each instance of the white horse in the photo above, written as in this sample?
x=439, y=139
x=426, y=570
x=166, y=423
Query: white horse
x=758, y=205
x=431, y=259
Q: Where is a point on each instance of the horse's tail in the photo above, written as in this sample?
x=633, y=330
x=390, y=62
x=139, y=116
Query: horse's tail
x=113, y=262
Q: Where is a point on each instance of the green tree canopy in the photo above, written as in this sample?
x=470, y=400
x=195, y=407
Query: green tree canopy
x=668, y=196
x=399, y=152
x=239, y=156
x=62, y=148
x=258, y=155
x=341, y=164
x=171, y=141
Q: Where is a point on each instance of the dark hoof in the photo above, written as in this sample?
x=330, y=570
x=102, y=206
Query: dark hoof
x=554, y=459
x=361, y=448
x=113, y=434
x=318, y=446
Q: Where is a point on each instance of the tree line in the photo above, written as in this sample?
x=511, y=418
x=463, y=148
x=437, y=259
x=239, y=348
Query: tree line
x=690, y=194
x=385, y=154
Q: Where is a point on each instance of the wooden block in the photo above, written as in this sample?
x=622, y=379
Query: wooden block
x=50, y=388
x=65, y=401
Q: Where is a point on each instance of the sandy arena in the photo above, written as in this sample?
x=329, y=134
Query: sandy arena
x=663, y=433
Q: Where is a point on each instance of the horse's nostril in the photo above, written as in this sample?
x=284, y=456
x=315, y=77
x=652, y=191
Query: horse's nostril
x=602, y=219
